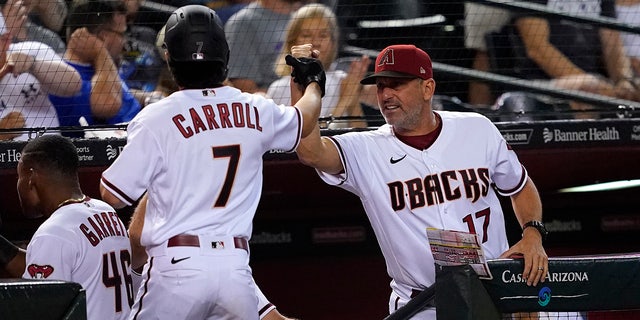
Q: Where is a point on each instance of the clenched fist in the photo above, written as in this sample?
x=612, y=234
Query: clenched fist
x=85, y=46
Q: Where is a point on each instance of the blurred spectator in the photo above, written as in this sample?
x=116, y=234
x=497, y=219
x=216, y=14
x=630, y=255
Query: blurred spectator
x=47, y=13
x=226, y=8
x=95, y=39
x=141, y=63
x=479, y=20
x=29, y=72
x=628, y=11
x=316, y=24
x=575, y=55
x=95, y=34
x=31, y=31
x=255, y=35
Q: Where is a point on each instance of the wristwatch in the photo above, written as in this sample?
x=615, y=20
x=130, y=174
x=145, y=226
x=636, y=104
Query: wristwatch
x=539, y=226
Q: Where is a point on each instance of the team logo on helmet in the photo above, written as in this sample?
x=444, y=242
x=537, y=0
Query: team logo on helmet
x=39, y=272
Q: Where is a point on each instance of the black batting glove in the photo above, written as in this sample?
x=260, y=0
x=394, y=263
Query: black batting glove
x=307, y=70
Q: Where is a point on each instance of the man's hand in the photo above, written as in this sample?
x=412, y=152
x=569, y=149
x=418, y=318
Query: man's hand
x=536, y=262
x=15, y=15
x=85, y=45
x=12, y=120
x=18, y=62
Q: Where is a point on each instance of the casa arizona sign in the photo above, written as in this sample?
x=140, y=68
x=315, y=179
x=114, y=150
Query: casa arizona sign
x=510, y=277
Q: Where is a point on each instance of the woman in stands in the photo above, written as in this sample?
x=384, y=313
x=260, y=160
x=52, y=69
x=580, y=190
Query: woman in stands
x=316, y=24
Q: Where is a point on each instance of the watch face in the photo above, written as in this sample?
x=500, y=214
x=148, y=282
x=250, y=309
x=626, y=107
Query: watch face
x=540, y=225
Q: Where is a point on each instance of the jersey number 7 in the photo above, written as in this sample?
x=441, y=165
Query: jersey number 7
x=233, y=153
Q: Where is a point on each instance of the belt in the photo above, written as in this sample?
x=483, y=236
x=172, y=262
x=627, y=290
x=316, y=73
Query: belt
x=189, y=240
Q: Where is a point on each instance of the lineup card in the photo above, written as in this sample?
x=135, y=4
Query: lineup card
x=456, y=248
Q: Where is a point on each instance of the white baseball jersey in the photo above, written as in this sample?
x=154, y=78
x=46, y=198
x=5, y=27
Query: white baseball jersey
x=86, y=243
x=24, y=92
x=199, y=155
x=450, y=185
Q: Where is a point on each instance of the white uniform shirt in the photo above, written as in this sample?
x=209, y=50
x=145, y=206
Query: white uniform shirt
x=458, y=169
x=199, y=155
x=24, y=92
x=82, y=242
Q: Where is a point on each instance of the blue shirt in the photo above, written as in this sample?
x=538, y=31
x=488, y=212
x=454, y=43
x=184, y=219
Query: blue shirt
x=70, y=109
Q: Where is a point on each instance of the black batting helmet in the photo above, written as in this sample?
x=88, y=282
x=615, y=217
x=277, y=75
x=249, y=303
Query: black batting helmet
x=194, y=33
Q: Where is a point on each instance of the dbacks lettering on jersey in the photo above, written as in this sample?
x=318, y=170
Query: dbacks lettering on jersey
x=204, y=118
x=105, y=224
x=438, y=188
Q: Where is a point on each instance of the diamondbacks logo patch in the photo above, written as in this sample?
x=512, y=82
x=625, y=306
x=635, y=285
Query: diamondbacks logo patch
x=39, y=272
x=387, y=58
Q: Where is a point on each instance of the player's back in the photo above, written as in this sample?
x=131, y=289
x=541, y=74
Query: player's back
x=203, y=154
x=86, y=242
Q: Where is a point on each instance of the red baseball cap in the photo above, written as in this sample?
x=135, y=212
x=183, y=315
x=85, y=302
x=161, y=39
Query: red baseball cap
x=401, y=61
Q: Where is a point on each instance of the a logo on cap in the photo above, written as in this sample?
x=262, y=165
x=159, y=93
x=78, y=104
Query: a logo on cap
x=422, y=71
x=387, y=58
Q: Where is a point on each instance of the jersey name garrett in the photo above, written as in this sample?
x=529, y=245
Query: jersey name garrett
x=438, y=188
x=105, y=224
x=206, y=118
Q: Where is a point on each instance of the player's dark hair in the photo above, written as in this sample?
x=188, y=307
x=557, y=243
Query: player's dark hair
x=198, y=75
x=93, y=14
x=53, y=153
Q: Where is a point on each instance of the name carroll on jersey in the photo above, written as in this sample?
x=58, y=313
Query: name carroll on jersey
x=223, y=115
x=103, y=225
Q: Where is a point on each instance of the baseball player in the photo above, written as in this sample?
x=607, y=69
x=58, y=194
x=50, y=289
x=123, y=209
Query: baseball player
x=428, y=169
x=82, y=240
x=198, y=155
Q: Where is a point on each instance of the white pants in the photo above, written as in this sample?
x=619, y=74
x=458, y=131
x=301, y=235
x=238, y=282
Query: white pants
x=396, y=301
x=209, y=284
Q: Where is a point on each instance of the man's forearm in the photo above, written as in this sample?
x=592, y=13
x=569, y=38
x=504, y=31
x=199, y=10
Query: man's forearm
x=106, y=91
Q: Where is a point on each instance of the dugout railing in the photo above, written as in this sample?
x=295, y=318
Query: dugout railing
x=575, y=288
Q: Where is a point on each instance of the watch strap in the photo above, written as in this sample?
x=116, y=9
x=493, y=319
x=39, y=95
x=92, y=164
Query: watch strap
x=539, y=226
